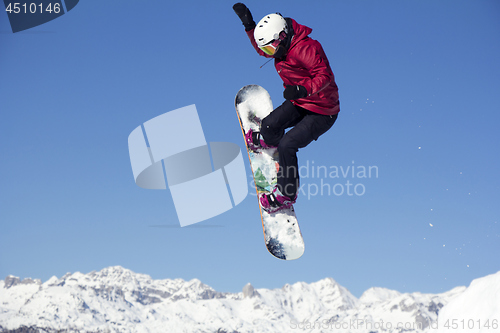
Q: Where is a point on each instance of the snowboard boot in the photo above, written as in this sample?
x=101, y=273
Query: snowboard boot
x=275, y=201
x=255, y=141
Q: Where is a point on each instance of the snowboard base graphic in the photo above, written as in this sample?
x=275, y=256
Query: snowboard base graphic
x=281, y=229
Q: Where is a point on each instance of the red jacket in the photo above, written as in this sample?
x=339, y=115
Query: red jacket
x=306, y=64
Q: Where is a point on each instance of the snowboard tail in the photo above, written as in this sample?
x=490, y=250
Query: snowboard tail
x=282, y=234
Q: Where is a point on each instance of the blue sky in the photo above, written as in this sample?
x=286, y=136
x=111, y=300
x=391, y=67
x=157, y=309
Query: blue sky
x=418, y=87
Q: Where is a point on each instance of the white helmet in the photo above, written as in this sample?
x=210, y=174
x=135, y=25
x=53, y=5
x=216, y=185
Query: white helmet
x=269, y=30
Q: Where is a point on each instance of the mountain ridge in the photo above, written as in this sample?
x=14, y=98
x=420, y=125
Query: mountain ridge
x=116, y=299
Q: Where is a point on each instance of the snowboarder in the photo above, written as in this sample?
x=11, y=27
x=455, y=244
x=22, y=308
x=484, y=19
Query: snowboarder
x=311, y=97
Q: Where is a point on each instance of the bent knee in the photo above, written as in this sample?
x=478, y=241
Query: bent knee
x=266, y=127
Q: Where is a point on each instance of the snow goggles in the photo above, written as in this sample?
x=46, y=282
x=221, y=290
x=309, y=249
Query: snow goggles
x=270, y=48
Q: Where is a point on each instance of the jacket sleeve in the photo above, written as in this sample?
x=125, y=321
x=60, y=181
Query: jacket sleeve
x=254, y=44
x=313, y=59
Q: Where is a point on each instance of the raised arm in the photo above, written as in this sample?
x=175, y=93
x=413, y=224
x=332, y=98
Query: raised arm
x=248, y=22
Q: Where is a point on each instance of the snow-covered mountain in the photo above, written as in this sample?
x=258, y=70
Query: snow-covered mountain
x=119, y=300
x=476, y=310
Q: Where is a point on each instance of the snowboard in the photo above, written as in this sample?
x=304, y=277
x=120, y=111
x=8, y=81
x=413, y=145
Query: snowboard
x=281, y=229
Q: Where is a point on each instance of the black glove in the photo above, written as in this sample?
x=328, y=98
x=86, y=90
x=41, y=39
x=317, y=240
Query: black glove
x=245, y=16
x=294, y=92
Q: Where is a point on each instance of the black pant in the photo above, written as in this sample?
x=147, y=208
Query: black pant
x=307, y=126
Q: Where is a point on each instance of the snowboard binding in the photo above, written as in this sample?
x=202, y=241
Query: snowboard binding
x=275, y=201
x=255, y=141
